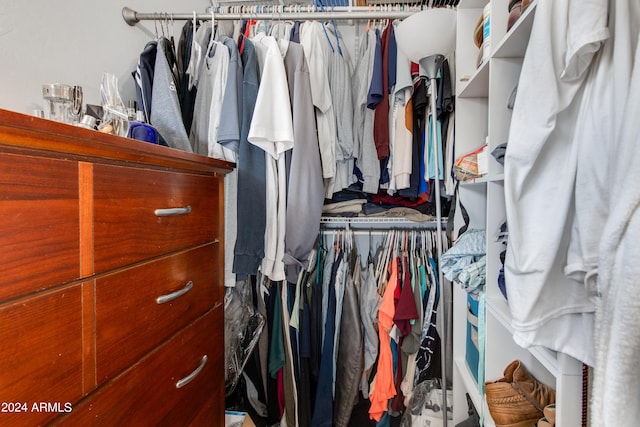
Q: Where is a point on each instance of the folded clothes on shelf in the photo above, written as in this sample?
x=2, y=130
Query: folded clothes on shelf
x=469, y=248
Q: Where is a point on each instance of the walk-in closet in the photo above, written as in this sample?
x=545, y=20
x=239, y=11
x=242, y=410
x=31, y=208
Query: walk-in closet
x=319, y=213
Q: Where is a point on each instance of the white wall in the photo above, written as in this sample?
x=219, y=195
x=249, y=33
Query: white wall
x=73, y=42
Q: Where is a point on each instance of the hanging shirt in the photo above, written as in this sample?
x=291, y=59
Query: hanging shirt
x=199, y=47
x=272, y=131
x=340, y=72
x=597, y=133
x=419, y=103
x=350, y=348
x=402, y=124
x=231, y=110
x=369, y=304
x=316, y=51
x=290, y=415
x=251, y=199
x=548, y=308
x=276, y=343
x=165, y=108
x=143, y=77
x=381, y=120
x=364, y=146
x=340, y=282
x=376, y=91
x=211, y=88
x=614, y=402
x=384, y=388
x=428, y=357
x=187, y=95
x=430, y=173
x=304, y=186
x=323, y=410
x=406, y=307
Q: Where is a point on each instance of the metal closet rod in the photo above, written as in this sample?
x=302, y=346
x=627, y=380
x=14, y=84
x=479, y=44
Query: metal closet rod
x=377, y=223
x=368, y=231
x=302, y=13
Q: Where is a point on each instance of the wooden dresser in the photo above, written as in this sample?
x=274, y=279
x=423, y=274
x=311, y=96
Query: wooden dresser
x=111, y=280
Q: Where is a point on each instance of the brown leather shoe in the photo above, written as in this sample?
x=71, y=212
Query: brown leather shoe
x=518, y=399
x=550, y=413
x=544, y=423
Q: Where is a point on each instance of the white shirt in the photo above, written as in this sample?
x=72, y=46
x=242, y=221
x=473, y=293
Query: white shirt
x=548, y=308
x=614, y=401
x=272, y=130
x=402, y=128
x=597, y=131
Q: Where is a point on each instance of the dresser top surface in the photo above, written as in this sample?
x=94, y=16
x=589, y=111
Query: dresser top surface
x=20, y=133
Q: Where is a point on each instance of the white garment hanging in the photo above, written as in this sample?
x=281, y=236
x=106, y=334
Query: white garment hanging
x=614, y=397
x=272, y=130
x=597, y=132
x=548, y=308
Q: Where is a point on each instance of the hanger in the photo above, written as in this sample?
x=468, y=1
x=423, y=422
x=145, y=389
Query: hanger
x=196, y=56
x=168, y=22
x=212, y=40
x=381, y=275
x=380, y=262
x=213, y=24
x=324, y=28
x=155, y=24
x=320, y=257
x=370, y=254
x=335, y=28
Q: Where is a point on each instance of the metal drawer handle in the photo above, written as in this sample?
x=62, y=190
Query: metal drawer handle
x=172, y=211
x=173, y=295
x=186, y=380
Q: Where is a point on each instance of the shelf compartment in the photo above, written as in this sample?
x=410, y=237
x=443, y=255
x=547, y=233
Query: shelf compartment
x=548, y=358
x=478, y=84
x=476, y=181
x=470, y=384
x=514, y=43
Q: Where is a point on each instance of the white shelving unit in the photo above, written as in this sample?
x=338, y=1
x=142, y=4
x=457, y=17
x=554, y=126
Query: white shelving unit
x=481, y=111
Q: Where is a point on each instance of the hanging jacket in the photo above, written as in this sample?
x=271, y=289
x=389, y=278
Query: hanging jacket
x=166, y=116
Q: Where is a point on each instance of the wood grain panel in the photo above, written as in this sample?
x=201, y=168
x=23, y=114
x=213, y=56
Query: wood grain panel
x=146, y=395
x=85, y=195
x=126, y=230
x=89, y=381
x=41, y=354
x=129, y=320
x=39, y=238
x=24, y=133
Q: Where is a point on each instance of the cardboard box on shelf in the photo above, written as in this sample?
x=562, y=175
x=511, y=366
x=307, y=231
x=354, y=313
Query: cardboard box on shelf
x=237, y=419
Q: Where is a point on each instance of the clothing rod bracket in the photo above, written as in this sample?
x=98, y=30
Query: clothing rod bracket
x=129, y=16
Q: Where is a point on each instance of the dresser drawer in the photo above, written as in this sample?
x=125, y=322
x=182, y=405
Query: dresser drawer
x=39, y=241
x=142, y=213
x=148, y=394
x=138, y=308
x=40, y=356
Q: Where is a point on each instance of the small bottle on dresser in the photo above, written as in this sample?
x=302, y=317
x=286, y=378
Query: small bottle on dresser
x=142, y=131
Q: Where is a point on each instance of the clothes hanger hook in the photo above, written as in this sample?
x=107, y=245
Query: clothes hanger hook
x=155, y=23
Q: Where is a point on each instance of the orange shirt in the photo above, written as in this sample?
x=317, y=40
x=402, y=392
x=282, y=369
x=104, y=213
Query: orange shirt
x=384, y=388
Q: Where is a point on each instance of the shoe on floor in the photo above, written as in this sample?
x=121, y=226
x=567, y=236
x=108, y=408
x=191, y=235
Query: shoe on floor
x=517, y=399
x=545, y=423
x=550, y=413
